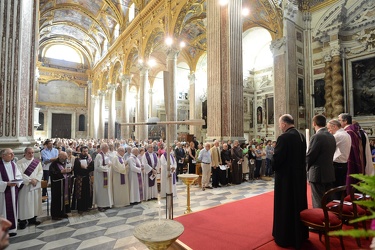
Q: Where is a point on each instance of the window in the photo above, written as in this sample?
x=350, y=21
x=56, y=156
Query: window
x=63, y=52
x=41, y=121
x=81, y=124
x=131, y=12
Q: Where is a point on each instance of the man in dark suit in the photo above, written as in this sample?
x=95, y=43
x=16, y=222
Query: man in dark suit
x=179, y=152
x=290, y=185
x=319, y=158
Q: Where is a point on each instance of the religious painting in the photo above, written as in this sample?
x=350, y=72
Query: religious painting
x=270, y=111
x=259, y=115
x=363, y=77
x=301, y=99
x=319, y=93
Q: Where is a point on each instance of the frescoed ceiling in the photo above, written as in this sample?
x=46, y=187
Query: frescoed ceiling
x=87, y=25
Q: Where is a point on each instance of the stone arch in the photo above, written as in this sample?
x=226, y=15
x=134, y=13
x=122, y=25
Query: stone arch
x=155, y=39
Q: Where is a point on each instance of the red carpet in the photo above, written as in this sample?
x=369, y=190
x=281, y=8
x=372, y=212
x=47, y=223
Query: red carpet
x=244, y=224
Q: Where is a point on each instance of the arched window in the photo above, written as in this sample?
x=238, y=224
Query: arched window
x=81, y=124
x=41, y=121
x=63, y=52
x=117, y=31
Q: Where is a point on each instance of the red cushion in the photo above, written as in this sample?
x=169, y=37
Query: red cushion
x=347, y=210
x=316, y=216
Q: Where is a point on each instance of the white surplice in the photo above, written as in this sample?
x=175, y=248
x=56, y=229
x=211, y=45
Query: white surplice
x=3, y=186
x=150, y=192
x=136, y=188
x=164, y=180
x=29, y=198
x=102, y=195
x=120, y=191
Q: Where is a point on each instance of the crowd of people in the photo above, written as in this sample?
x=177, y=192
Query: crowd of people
x=105, y=173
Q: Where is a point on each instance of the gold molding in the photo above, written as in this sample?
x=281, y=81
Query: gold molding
x=323, y=5
x=61, y=104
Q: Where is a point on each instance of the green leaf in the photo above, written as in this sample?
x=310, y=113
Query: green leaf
x=355, y=233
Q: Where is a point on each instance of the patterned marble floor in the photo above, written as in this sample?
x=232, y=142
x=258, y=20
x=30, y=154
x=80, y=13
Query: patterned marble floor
x=113, y=229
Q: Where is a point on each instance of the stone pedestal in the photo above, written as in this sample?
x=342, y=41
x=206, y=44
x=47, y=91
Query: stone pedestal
x=19, y=42
x=225, y=76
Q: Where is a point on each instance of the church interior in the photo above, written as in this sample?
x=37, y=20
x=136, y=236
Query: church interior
x=86, y=69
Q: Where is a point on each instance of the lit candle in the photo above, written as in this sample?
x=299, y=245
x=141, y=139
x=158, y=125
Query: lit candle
x=159, y=205
x=307, y=139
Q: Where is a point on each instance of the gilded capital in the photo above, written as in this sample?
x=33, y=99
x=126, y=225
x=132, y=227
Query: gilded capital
x=126, y=79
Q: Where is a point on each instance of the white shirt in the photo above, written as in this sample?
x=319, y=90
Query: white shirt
x=343, y=144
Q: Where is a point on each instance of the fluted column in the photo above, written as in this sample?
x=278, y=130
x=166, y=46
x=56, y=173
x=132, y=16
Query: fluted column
x=328, y=85
x=18, y=54
x=150, y=101
x=337, y=80
x=225, y=76
x=125, y=81
x=171, y=111
x=142, y=106
x=102, y=94
x=112, y=110
x=192, y=101
x=95, y=116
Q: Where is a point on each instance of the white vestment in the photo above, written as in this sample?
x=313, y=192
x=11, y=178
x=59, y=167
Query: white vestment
x=120, y=191
x=3, y=186
x=30, y=197
x=150, y=192
x=102, y=195
x=166, y=182
x=135, y=180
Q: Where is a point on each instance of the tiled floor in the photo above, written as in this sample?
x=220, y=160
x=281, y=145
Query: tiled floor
x=113, y=229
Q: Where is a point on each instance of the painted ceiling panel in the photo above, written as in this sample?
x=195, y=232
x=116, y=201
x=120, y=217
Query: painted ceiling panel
x=93, y=6
x=73, y=16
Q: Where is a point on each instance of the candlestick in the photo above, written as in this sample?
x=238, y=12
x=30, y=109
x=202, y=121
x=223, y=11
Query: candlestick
x=307, y=139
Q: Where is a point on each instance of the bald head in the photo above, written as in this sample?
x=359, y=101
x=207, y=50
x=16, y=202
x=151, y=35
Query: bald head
x=62, y=157
x=286, y=121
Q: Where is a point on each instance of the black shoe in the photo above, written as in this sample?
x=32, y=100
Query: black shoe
x=36, y=223
x=101, y=209
x=12, y=234
x=22, y=225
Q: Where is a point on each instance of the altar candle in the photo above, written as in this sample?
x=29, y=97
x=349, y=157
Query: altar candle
x=307, y=139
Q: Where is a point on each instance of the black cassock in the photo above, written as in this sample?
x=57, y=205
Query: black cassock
x=82, y=194
x=237, y=155
x=60, y=193
x=290, y=196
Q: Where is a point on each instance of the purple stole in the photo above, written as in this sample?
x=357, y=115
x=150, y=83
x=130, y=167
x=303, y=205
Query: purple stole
x=105, y=174
x=151, y=183
x=30, y=169
x=8, y=194
x=174, y=173
x=66, y=186
x=139, y=178
x=122, y=176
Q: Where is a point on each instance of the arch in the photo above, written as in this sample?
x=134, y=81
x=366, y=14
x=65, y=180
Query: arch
x=131, y=59
x=155, y=39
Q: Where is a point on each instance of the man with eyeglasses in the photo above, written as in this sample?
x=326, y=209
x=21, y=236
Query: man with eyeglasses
x=9, y=186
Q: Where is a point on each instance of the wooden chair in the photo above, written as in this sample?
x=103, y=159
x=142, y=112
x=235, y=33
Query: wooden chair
x=323, y=220
x=44, y=184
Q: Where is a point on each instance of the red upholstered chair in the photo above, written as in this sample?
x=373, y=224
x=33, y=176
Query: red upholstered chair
x=322, y=220
x=350, y=210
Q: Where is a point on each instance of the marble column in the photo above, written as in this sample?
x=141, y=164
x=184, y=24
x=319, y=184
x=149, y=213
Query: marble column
x=102, y=94
x=18, y=55
x=125, y=82
x=142, y=105
x=328, y=85
x=285, y=66
x=150, y=102
x=89, y=117
x=192, y=101
x=136, y=116
x=225, y=77
x=95, y=116
x=171, y=103
x=337, y=80
x=112, y=110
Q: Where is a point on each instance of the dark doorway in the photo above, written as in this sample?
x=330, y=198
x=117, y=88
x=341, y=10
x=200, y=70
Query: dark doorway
x=61, y=126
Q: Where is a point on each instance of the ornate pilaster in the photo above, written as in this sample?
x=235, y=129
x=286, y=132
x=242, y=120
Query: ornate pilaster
x=337, y=80
x=328, y=85
x=225, y=77
x=112, y=110
x=19, y=26
x=170, y=96
x=125, y=82
x=102, y=94
x=142, y=106
x=192, y=101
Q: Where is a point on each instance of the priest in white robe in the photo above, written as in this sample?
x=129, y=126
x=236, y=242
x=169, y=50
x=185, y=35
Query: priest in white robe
x=167, y=177
x=120, y=180
x=30, y=195
x=151, y=167
x=103, y=179
x=9, y=187
x=135, y=177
